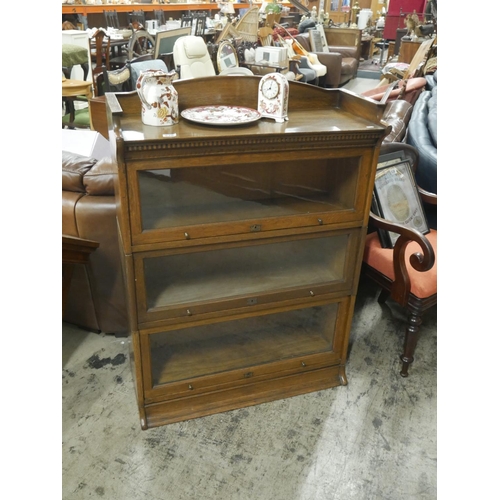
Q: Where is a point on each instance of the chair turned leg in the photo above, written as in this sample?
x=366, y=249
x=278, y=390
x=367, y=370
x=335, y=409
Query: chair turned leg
x=411, y=337
x=383, y=296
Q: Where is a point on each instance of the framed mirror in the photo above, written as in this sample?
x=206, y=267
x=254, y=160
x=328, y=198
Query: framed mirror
x=227, y=56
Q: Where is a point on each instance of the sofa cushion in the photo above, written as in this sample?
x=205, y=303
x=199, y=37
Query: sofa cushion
x=100, y=180
x=344, y=51
x=74, y=167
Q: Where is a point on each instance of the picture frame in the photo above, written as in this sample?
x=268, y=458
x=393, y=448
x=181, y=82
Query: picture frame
x=324, y=41
x=396, y=199
x=383, y=161
x=390, y=159
x=165, y=40
x=315, y=40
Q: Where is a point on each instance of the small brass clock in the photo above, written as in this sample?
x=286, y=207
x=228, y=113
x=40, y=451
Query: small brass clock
x=273, y=97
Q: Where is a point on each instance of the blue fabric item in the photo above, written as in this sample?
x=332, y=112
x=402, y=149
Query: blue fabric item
x=422, y=134
x=137, y=67
x=432, y=118
x=305, y=25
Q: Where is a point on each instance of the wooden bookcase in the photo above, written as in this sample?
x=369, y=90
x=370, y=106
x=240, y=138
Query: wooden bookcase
x=242, y=245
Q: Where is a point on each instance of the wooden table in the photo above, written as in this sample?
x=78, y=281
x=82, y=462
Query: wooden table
x=74, y=251
x=75, y=88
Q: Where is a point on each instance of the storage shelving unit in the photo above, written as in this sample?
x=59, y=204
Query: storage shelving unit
x=242, y=245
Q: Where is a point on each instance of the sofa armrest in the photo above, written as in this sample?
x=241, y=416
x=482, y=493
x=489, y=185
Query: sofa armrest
x=333, y=63
x=100, y=179
x=74, y=168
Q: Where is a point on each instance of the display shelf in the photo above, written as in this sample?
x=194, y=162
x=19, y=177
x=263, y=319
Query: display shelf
x=242, y=246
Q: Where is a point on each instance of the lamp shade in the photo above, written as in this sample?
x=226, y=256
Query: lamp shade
x=226, y=8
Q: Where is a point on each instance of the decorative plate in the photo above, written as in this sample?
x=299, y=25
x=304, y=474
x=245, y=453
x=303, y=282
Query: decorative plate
x=221, y=115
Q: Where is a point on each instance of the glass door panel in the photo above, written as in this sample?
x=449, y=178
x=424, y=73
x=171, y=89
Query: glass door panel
x=187, y=278
x=219, y=347
x=182, y=197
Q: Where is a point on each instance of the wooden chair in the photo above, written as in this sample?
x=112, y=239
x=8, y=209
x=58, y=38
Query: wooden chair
x=160, y=17
x=408, y=272
x=413, y=70
x=137, y=18
x=199, y=23
x=186, y=20
x=111, y=17
x=99, y=46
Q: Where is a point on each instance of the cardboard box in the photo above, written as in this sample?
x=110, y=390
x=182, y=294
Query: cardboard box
x=86, y=142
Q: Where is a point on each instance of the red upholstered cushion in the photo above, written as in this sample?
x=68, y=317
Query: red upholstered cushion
x=422, y=284
x=413, y=85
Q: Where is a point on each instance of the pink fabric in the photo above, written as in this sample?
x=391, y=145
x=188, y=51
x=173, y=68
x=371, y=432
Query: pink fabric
x=422, y=284
x=413, y=85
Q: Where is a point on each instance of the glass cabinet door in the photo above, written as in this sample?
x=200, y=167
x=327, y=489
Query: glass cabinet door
x=187, y=283
x=198, y=357
x=198, y=202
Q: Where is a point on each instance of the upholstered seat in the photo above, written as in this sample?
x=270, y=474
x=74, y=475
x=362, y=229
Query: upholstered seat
x=191, y=57
x=423, y=285
x=408, y=272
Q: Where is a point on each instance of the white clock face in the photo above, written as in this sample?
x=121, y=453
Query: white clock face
x=270, y=88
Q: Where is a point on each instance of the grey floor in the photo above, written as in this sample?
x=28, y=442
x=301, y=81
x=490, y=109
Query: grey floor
x=372, y=439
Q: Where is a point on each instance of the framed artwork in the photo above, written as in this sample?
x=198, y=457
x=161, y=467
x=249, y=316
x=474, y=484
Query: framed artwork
x=390, y=159
x=315, y=40
x=324, y=43
x=164, y=40
x=396, y=199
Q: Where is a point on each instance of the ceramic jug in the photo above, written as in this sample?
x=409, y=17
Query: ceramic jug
x=159, y=98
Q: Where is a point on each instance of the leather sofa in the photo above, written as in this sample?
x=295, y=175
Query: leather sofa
x=422, y=134
x=96, y=298
x=341, y=62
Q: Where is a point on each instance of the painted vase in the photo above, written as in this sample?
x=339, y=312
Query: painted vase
x=159, y=98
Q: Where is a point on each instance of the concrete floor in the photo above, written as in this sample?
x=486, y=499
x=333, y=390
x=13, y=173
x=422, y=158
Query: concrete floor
x=372, y=439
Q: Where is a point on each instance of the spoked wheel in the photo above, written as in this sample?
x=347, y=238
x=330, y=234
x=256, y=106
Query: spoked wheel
x=141, y=43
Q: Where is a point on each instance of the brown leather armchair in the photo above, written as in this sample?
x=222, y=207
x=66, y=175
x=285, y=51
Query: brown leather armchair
x=96, y=297
x=341, y=62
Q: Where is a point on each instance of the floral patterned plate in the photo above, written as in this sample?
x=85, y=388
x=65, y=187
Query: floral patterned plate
x=221, y=115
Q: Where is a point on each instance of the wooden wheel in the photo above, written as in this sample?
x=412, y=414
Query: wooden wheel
x=141, y=43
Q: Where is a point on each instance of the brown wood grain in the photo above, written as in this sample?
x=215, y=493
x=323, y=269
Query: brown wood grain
x=225, y=291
